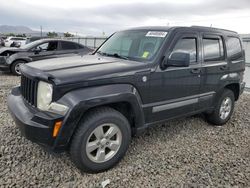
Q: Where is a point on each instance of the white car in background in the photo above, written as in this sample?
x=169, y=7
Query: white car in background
x=14, y=41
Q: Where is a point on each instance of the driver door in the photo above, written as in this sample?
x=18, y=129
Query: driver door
x=175, y=90
x=45, y=50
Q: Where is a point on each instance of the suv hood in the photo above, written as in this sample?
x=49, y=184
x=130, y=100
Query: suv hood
x=83, y=68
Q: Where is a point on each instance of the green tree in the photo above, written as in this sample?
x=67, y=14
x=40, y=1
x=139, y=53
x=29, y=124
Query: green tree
x=68, y=34
x=52, y=34
x=10, y=34
x=21, y=35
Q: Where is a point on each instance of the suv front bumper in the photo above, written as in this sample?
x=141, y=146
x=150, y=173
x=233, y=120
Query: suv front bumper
x=34, y=124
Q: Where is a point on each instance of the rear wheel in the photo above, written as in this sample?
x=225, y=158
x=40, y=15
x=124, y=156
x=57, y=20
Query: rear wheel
x=15, y=67
x=101, y=140
x=223, y=110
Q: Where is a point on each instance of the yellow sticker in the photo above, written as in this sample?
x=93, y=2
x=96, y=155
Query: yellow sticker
x=145, y=54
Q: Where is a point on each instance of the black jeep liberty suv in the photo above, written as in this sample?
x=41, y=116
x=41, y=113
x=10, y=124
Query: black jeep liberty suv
x=139, y=77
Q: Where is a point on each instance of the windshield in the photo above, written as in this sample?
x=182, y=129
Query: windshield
x=139, y=45
x=30, y=45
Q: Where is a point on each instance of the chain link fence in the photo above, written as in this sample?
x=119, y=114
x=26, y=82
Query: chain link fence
x=92, y=42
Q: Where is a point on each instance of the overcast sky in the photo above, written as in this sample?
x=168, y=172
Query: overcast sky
x=93, y=17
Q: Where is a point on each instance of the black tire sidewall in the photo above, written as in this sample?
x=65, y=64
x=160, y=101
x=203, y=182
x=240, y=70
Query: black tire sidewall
x=215, y=117
x=120, y=121
x=13, y=65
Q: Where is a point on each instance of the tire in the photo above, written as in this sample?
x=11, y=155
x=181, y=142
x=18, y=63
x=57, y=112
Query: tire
x=99, y=119
x=217, y=117
x=15, y=67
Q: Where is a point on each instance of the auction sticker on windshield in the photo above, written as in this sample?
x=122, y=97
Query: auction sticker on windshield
x=156, y=34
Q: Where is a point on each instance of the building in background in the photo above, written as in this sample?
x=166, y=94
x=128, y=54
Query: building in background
x=246, y=46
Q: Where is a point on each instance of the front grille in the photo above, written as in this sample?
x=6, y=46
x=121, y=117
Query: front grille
x=29, y=89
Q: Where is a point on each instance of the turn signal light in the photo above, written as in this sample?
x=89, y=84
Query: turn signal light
x=57, y=127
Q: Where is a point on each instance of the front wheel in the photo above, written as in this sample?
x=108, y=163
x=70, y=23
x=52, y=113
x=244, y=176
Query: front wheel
x=15, y=67
x=101, y=140
x=223, y=110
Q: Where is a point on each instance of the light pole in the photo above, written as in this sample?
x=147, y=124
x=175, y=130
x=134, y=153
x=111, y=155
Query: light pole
x=41, y=29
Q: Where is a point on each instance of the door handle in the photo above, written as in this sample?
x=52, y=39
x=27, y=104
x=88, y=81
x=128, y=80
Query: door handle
x=196, y=71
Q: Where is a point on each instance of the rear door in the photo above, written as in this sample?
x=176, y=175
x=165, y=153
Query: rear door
x=214, y=66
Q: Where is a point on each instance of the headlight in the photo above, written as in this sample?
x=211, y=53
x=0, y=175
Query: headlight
x=44, y=99
x=44, y=95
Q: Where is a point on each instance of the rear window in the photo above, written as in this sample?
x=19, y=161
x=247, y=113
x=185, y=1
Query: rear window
x=213, y=49
x=79, y=46
x=69, y=46
x=234, y=48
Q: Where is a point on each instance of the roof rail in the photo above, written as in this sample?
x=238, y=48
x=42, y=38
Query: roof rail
x=195, y=26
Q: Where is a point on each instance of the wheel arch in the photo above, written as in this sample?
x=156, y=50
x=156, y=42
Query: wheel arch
x=235, y=88
x=121, y=97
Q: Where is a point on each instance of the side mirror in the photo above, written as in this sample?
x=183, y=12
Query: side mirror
x=178, y=59
x=36, y=50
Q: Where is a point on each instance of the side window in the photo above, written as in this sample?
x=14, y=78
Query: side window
x=43, y=47
x=213, y=49
x=234, y=48
x=68, y=46
x=48, y=46
x=80, y=46
x=187, y=45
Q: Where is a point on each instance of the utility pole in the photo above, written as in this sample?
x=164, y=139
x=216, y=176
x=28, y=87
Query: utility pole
x=41, y=29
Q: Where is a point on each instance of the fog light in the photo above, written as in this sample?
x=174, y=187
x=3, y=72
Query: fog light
x=58, y=108
x=57, y=127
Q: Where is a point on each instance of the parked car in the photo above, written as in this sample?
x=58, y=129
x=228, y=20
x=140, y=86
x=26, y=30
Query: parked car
x=14, y=41
x=12, y=58
x=92, y=105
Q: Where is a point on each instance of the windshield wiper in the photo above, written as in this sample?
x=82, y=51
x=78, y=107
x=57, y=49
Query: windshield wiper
x=100, y=53
x=112, y=55
x=119, y=56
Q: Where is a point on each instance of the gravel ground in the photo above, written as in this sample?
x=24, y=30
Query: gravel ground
x=182, y=153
